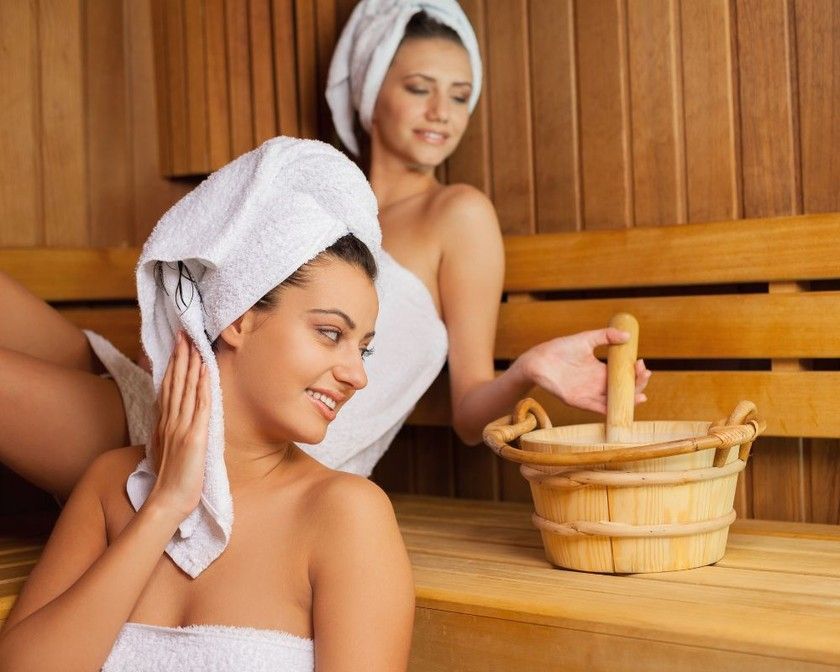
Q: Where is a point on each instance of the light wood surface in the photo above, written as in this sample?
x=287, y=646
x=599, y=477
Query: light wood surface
x=485, y=593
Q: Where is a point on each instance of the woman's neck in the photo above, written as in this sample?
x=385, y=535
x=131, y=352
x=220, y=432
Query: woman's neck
x=393, y=179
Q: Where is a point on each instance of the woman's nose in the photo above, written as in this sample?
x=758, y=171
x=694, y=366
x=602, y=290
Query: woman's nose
x=438, y=109
x=351, y=371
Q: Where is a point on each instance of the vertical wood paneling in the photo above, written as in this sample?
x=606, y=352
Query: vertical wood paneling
x=158, y=21
x=153, y=194
x=262, y=71
x=824, y=481
x=239, y=84
x=768, y=141
x=656, y=112
x=433, y=460
x=510, y=133
x=476, y=472
x=107, y=136
x=604, y=114
x=710, y=99
x=395, y=471
x=554, y=95
x=818, y=48
x=818, y=59
x=218, y=101
x=770, y=178
x=62, y=123
x=174, y=77
x=307, y=68
x=285, y=65
x=470, y=163
x=20, y=190
x=325, y=13
x=195, y=55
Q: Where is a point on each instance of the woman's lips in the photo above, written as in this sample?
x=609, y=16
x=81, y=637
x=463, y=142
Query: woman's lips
x=431, y=137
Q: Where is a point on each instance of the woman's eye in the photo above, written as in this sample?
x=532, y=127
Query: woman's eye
x=460, y=100
x=366, y=352
x=416, y=90
x=332, y=334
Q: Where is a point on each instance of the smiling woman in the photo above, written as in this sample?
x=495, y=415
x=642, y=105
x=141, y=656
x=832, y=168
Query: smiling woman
x=256, y=289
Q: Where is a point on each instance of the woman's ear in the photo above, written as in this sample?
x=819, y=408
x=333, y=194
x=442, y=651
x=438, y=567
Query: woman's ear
x=234, y=334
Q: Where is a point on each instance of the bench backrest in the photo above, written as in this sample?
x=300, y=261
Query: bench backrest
x=727, y=311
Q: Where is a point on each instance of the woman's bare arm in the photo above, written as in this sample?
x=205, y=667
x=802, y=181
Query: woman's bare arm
x=363, y=592
x=83, y=590
x=470, y=280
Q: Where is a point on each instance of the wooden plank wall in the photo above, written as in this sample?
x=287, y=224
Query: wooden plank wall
x=78, y=138
x=78, y=125
x=617, y=113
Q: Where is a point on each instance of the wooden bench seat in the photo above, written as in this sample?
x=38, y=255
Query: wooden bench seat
x=487, y=599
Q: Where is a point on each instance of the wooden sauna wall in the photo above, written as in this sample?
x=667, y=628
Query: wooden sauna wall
x=617, y=113
x=78, y=125
x=78, y=138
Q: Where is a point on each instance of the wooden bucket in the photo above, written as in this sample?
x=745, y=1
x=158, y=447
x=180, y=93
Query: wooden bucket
x=626, y=496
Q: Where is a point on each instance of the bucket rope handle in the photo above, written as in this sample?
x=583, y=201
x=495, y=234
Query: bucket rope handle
x=529, y=413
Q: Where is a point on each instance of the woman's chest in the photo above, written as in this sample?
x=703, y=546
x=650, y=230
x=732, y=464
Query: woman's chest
x=260, y=581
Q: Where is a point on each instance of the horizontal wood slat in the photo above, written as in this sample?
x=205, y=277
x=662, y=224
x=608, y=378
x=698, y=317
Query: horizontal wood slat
x=794, y=403
x=783, y=248
x=736, y=326
x=77, y=274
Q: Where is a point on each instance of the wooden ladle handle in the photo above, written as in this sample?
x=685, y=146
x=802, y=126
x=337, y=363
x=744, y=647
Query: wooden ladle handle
x=621, y=381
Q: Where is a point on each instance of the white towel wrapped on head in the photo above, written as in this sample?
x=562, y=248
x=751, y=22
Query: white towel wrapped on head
x=221, y=248
x=366, y=48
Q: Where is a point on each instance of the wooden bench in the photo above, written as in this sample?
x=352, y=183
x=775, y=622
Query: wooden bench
x=730, y=310
x=487, y=600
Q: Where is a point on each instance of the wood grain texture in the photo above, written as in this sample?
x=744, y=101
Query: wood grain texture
x=63, y=123
x=656, y=111
x=285, y=66
x=691, y=254
x=218, y=102
x=152, y=193
x=20, y=176
x=510, y=109
x=196, y=68
x=606, y=161
x=307, y=67
x=262, y=71
x=724, y=326
x=553, y=70
x=470, y=162
x=175, y=79
x=795, y=404
x=769, y=129
x=239, y=77
x=76, y=274
x=710, y=99
x=818, y=58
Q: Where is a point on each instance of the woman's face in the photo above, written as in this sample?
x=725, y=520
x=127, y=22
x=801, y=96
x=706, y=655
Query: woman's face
x=421, y=112
x=294, y=366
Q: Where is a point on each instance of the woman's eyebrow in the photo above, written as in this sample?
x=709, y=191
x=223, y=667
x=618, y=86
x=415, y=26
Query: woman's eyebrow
x=433, y=80
x=344, y=316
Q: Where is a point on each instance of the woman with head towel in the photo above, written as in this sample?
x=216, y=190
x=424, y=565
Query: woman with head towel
x=404, y=78
x=258, y=307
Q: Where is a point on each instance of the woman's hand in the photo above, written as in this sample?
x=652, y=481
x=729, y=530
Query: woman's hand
x=567, y=368
x=180, y=441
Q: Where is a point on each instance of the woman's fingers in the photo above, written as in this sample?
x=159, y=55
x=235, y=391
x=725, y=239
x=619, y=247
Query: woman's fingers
x=188, y=399
x=180, y=363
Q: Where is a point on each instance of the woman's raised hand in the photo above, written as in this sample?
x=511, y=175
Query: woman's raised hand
x=567, y=367
x=180, y=443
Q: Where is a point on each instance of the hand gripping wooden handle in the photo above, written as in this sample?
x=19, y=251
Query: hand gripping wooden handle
x=621, y=381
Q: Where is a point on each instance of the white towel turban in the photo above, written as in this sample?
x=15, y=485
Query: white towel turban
x=239, y=234
x=366, y=48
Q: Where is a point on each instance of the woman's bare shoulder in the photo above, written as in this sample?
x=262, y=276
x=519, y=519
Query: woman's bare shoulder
x=339, y=496
x=106, y=475
x=463, y=201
